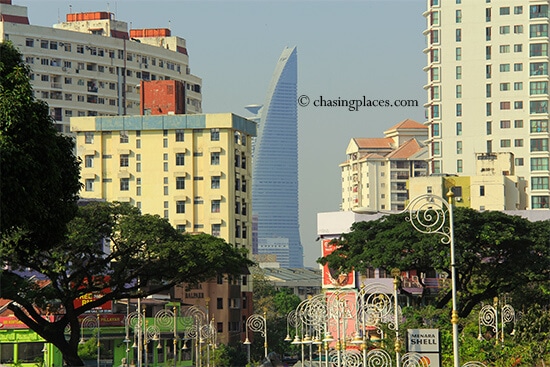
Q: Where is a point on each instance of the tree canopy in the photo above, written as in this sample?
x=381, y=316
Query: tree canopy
x=40, y=173
x=142, y=255
x=495, y=253
x=106, y=249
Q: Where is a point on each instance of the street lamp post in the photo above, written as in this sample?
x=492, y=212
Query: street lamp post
x=92, y=321
x=488, y=316
x=428, y=214
x=256, y=323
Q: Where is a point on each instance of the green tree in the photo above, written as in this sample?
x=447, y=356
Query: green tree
x=277, y=304
x=147, y=255
x=495, y=253
x=40, y=173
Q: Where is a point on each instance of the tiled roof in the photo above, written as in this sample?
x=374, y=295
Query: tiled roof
x=408, y=124
x=406, y=150
x=377, y=143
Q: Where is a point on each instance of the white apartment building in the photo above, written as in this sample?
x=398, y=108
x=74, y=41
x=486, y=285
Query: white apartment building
x=92, y=65
x=487, y=68
x=376, y=171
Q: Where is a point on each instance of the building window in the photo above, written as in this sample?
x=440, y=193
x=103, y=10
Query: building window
x=538, y=11
x=538, y=68
x=504, y=68
x=504, y=87
x=435, y=129
x=482, y=190
x=505, y=105
x=518, y=66
x=124, y=184
x=180, y=135
x=436, y=148
x=458, y=34
x=504, y=49
x=180, y=159
x=540, y=202
x=488, y=90
x=518, y=9
x=518, y=142
x=489, y=146
x=214, y=134
x=215, y=182
x=518, y=29
x=435, y=111
x=458, y=16
x=539, y=126
x=89, y=137
x=215, y=158
x=538, y=88
x=458, y=72
x=459, y=147
x=216, y=230
x=488, y=33
x=518, y=105
x=124, y=136
x=518, y=124
x=505, y=29
x=459, y=128
x=505, y=10
x=459, y=109
x=124, y=160
x=538, y=49
x=505, y=143
x=505, y=124
x=518, y=161
x=489, y=127
x=89, y=184
x=539, y=145
x=538, y=30
x=215, y=206
x=518, y=47
x=539, y=183
x=219, y=303
x=488, y=108
x=89, y=161
x=459, y=166
x=458, y=91
x=434, y=74
x=180, y=183
x=458, y=54
x=539, y=164
x=518, y=86
x=538, y=107
x=180, y=206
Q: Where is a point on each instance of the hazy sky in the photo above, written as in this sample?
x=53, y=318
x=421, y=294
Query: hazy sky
x=346, y=49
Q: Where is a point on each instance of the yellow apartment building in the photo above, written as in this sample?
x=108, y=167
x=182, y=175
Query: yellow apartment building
x=195, y=171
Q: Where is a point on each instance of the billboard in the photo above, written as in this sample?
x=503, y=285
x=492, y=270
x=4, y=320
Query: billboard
x=333, y=278
x=425, y=342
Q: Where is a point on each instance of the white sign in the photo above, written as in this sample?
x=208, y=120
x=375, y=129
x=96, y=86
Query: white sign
x=423, y=340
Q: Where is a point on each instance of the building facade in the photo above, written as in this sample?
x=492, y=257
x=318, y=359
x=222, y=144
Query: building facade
x=376, y=171
x=92, y=64
x=275, y=190
x=487, y=71
x=193, y=170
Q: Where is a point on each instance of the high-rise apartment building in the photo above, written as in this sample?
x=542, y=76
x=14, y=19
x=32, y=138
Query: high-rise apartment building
x=275, y=189
x=487, y=68
x=92, y=65
x=376, y=171
x=193, y=170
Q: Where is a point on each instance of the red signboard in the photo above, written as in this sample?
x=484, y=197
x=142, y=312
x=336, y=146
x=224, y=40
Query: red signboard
x=89, y=297
x=333, y=278
x=12, y=322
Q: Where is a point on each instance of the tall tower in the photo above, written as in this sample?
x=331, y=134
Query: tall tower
x=275, y=164
x=487, y=66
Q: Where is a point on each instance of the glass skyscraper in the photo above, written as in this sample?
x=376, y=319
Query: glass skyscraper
x=275, y=165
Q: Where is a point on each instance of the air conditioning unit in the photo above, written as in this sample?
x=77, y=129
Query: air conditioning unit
x=459, y=200
x=64, y=68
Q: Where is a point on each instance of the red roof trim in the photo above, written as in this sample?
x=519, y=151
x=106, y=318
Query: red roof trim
x=14, y=19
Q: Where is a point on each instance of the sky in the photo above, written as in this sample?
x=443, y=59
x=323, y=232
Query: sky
x=346, y=49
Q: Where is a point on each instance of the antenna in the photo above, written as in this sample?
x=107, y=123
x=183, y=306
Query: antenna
x=58, y=15
x=169, y=24
x=70, y=9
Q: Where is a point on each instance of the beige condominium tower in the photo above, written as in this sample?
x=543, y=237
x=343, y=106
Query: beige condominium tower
x=487, y=71
x=92, y=64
